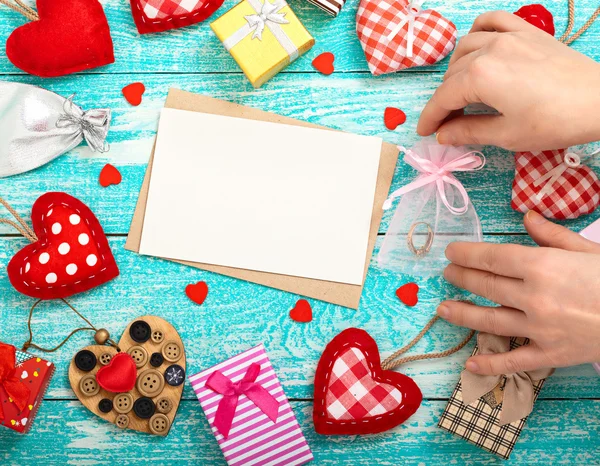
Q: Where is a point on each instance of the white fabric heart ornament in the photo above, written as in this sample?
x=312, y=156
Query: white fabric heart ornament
x=398, y=34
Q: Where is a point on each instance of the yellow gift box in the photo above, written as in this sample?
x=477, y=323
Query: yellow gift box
x=263, y=37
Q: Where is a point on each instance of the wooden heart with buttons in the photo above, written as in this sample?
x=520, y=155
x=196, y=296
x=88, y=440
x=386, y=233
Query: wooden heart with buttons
x=139, y=387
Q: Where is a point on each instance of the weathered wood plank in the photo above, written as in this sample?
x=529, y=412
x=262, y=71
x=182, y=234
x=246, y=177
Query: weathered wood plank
x=238, y=315
x=347, y=101
x=197, y=50
x=66, y=433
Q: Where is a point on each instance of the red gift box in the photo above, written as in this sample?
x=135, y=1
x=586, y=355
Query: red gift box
x=24, y=379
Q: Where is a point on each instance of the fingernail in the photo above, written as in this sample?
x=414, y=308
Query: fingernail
x=535, y=218
x=445, y=137
x=443, y=311
x=472, y=366
x=448, y=252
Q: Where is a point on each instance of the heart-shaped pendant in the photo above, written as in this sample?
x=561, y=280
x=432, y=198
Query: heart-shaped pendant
x=71, y=254
x=396, y=35
x=100, y=377
x=70, y=36
x=354, y=395
x=555, y=184
x=162, y=15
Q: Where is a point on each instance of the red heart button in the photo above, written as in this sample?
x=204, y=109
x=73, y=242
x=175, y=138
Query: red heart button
x=109, y=176
x=119, y=375
x=70, y=36
x=383, y=399
x=302, y=312
x=393, y=117
x=324, y=63
x=133, y=93
x=71, y=254
x=408, y=294
x=197, y=292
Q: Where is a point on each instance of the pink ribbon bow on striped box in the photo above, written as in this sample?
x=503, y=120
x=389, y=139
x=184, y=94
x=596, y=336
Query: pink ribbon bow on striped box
x=248, y=412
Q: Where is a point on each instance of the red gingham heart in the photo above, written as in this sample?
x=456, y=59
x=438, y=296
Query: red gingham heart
x=162, y=15
x=434, y=36
x=575, y=192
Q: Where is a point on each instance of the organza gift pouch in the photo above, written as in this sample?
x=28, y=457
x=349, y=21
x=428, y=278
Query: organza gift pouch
x=435, y=210
x=36, y=126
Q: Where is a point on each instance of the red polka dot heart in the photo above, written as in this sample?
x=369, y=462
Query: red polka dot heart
x=71, y=255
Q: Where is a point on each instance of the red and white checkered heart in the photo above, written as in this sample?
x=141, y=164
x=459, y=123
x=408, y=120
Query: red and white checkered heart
x=354, y=395
x=554, y=184
x=434, y=36
x=161, y=15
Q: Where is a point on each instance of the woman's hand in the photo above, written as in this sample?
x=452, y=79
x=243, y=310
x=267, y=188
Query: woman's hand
x=547, y=94
x=550, y=295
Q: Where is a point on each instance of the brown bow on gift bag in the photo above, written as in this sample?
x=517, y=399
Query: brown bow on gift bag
x=518, y=391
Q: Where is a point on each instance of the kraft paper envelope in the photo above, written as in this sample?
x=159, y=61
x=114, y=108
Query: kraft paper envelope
x=336, y=293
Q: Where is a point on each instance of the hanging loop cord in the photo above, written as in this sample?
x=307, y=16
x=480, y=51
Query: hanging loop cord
x=571, y=22
x=394, y=361
x=20, y=7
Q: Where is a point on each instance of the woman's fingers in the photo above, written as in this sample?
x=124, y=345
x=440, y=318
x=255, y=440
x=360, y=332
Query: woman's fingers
x=497, y=320
x=524, y=358
x=475, y=129
x=546, y=233
x=508, y=292
x=470, y=43
x=509, y=260
x=499, y=21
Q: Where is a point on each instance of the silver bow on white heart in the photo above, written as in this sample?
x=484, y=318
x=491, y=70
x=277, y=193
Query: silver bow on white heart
x=412, y=12
x=269, y=14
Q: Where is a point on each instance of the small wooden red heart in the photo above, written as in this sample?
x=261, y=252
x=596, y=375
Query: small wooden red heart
x=119, y=375
x=197, y=292
x=109, y=175
x=324, y=63
x=133, y=93
x=302, y=312
x=393, y=117
x=408, y=294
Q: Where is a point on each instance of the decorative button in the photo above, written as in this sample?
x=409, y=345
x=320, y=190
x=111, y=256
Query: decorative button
x=175, y=375
x=171, y=351
x=101, y=336
x=105, y=405
x=156, y=359
x=140, y=331
x=150, y=383
x=159, y=424
x=122, y=421
x=143, y=408
x=157, y=336
x=139, y=355
x=123, y=403
x=164, y=405
x=105, y=358
x=85, y=360
x=88, y=385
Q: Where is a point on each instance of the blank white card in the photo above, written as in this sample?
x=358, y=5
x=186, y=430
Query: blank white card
x=261, y=196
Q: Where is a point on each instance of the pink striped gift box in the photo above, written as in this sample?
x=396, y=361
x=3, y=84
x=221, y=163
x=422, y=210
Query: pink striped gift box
x=254, y=439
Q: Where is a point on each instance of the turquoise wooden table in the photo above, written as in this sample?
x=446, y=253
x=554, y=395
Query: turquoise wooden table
x=563, y=427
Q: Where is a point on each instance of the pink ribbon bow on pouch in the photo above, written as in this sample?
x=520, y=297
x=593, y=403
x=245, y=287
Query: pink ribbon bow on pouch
x=232, y=391
x=440, y=173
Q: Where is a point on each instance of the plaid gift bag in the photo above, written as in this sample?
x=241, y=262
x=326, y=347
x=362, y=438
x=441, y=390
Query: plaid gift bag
x=397, y=34
x=161, y=15
x=555, y=184
x=480, y=422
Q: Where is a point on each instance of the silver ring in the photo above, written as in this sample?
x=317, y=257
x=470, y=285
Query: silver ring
x=428, y=243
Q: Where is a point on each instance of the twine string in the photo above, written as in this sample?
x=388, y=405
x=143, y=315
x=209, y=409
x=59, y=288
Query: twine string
x=571, y=22
x=23, y=228
x=394, y=361
x=20, y=7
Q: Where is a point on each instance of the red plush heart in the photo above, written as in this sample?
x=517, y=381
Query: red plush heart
x=119, y=375
x=70, y=36
x=109, y=176
x=354, y=395
x=133, y=93
x=197, y=292
x=393, y=117
x=324, y=63
x=537, y=15
x=71, y=254
x=302, y=312
x=157, y=16
x=408, y=294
